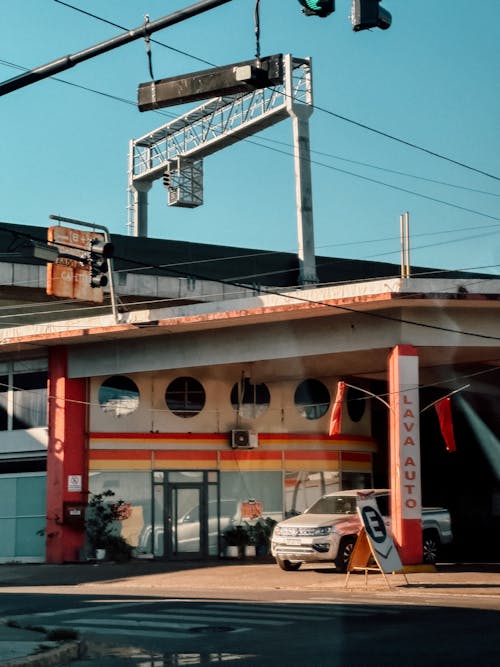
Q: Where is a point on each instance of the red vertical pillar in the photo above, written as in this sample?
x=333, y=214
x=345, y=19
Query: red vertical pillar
x=404, y=435
x=66, y=459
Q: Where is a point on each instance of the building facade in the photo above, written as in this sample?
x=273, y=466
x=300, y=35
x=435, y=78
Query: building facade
x=209, y=407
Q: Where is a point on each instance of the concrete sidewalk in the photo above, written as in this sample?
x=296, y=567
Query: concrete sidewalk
x=465, y=585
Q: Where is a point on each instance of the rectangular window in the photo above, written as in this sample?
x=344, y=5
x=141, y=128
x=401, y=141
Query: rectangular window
x=23, y=395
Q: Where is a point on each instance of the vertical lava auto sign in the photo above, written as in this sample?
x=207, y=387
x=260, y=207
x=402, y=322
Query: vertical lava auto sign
x=381, y=543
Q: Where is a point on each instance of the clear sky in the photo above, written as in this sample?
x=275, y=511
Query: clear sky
x=432, y=79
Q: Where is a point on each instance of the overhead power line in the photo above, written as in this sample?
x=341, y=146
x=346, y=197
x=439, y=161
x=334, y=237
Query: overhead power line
x=364, y=126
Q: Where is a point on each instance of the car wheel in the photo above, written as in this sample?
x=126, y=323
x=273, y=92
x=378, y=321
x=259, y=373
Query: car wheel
x=288, y=565
x=345, y=550
x=431, y=546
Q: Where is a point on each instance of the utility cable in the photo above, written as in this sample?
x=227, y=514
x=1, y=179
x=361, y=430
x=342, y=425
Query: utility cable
x=317, y=107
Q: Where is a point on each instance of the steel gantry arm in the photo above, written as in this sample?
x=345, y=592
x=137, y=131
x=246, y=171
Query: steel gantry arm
x=175, y=151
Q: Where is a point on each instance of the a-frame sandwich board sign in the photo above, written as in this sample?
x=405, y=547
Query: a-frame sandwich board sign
x=374, y=549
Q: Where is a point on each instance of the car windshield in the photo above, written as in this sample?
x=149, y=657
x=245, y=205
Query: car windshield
x=334, y=505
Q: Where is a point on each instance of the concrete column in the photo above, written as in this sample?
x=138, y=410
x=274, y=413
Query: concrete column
x=140, y=195
x=66, y=458
x=404, y=436
x=303, y=194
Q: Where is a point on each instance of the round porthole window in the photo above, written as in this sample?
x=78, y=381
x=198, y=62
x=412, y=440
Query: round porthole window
x=312, y=399
x=185, y=397
x=118, y=396
x=356, y=404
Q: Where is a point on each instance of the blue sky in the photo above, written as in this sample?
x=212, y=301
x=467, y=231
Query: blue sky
x=431, y=79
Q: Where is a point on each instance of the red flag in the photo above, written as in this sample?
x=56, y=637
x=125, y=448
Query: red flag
x=443, y=409
x=336, y=418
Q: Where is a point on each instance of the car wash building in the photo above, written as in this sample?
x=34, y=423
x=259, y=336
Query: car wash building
x=210, y=405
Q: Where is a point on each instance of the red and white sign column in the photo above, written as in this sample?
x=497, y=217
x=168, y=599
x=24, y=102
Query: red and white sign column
x=404, y=437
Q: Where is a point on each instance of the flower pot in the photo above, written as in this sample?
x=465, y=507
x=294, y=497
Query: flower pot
x=232, y=552
x=250, y=551
x=100, y=554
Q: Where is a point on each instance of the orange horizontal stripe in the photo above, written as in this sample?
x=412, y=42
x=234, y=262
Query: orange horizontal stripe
x=116, y=435
x=123, y=464
x=251, y=455
x=162, y=455
x=117, y=454
x=312, y=455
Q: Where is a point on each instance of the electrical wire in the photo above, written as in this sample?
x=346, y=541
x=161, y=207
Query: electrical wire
x=315, y=106
x=291, y=154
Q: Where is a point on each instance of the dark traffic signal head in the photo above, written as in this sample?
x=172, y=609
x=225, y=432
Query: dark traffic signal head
x=322, y=8
x=100, y=252
x=366, y=14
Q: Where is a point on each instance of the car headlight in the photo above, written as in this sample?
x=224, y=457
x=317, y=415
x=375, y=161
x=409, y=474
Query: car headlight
x=323, y=530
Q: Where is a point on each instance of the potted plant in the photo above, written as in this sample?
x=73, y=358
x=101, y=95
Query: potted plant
x=263, y=530
x=235, y=539
x=102, y=518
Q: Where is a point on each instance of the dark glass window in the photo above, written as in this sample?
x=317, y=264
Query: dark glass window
x=356, y=404
x=185, y=397
x=119, y=396
x=250, y=400
x=30, y=400
x=4, y=386
x=312, y=399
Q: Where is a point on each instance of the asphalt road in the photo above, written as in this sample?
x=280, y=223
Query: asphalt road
x=124, y=630
x=157, y=615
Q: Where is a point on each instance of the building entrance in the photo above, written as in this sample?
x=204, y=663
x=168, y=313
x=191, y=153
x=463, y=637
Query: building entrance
x=186, y=515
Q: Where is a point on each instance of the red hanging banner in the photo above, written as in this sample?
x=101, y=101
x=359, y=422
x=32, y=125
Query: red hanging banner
x=336, y=418
x=443, y=409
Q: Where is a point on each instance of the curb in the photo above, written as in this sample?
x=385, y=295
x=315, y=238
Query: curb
x=66, y=652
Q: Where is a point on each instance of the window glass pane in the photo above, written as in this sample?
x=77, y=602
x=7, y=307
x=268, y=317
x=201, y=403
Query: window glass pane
x=185, y=476
x=250, y=400
x=356, y=404
x=4, y=381
x=30, y=400
x=312, y=399
x=239, y=490
x=119, y=396
x=133, y=488
x=185, y=397
x=356, y=480
x=213, y=521
x=303, y=488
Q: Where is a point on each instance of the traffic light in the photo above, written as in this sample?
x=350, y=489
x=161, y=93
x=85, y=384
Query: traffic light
x=366, y=14
x=100, y=252
x=322, y=8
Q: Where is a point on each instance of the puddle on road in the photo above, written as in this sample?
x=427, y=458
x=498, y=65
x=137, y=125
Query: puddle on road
x=139, y=657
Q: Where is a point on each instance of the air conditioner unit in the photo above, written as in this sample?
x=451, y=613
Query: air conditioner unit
x=243, y=439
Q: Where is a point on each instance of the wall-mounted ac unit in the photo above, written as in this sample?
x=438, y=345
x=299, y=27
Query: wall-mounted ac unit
x=244, y=439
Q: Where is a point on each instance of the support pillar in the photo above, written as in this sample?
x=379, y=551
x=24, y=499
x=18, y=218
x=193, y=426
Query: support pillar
x=67, y=476
x=404, y=436
x=140, y=192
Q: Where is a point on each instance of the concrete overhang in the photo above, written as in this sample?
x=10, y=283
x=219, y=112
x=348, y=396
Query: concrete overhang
x=423, y=303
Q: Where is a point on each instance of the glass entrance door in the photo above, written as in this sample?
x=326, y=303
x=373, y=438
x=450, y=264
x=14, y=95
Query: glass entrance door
x=186, y=521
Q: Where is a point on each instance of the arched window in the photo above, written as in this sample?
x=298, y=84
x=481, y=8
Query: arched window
x=250, y=400
x=356, y=404
x=119, y=396
x=312, y=399
x=185, y=397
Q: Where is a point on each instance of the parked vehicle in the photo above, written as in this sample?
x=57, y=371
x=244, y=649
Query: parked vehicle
x=327, y=531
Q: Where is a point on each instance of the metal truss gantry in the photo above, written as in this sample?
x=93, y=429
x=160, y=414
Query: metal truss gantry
x=175, y=151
